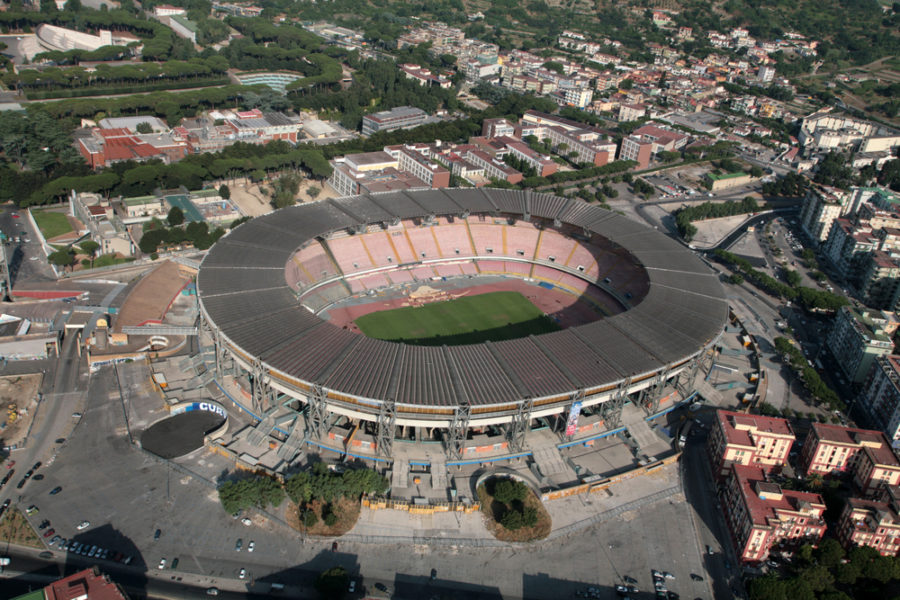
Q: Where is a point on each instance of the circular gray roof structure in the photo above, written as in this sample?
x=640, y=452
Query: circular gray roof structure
x=259, y=318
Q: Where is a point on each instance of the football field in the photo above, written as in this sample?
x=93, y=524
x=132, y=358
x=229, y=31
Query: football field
x=486, y=317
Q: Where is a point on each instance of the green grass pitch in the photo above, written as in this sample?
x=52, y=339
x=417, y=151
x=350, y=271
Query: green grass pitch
x=469, y=320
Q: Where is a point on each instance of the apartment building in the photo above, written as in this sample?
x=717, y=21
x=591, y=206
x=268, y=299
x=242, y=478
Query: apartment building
x=750, y=440
x=821, y=206
x=857, y=337
x=870, y=523
x=880, y=395
x=863, y=455
x=761, y=514
x=878, y=281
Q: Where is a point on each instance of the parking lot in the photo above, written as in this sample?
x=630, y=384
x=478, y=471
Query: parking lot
x=127, y=496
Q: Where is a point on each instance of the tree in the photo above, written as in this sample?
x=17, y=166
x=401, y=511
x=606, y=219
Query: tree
x=509, y=490
x=89, y=247
x=175, y=216
x=62, y=258
x=313, y=192
x=792, y=277
x=767, y=588
x=512, y=520
x=829, y=553
x=224, y=191
x=310, y=518
x=142, y=127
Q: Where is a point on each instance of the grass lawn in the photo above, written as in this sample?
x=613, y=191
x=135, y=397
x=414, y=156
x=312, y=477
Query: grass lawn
x=52, y=224
x=469, y=320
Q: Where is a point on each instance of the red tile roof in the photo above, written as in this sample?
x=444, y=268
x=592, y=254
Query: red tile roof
x=875, y=442
x=730, y=421
x=84, y=584
x=762, y=512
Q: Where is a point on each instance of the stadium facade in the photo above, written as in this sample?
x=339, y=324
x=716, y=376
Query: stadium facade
x=264, y=287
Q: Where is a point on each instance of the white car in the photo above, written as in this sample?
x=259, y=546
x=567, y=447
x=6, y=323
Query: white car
x=83, y=525
x=251, y=546
x=246, y=521
x=162, y=564
x=242, y=573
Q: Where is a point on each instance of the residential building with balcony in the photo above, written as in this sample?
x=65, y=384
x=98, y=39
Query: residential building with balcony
x=863, y=455
x=761, y=514
x=857, y=337
x=879, y=398
x=750, y=440
x=870, y=523
x=821, y=206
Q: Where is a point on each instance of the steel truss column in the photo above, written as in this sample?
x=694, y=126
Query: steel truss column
x=521, y=425
x=611, y=410
x=317, y=412
x=259, y=387
x=384, y=434
x=459, y=430
x=651, y=395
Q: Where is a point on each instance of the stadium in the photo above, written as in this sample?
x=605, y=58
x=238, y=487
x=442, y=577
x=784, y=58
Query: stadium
x=629, y=312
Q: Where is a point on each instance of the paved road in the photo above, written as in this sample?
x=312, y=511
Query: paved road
x=62, y=392
x=19, y=255
x=711, y=528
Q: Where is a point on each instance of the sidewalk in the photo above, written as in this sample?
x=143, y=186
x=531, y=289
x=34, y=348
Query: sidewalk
x=569, y=515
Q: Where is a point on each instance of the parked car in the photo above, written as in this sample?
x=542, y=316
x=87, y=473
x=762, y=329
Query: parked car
x=83, y=525
x=162, y=564
x=55, y=490
x=251, y=546
x=242, y=574
x=238, y=545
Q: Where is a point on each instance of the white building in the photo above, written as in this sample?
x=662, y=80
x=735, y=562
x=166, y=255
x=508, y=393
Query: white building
x=821, y=206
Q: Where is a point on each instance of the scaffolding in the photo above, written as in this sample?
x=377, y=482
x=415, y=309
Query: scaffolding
x=611, y=410
x=317, y=414
x=521, y=425
x=384, y=431
x=651, y=395
x=459, y=430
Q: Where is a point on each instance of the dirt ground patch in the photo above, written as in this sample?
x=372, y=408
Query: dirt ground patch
x=253, y=201
x=347, y=511
x=18, y=401
x=526, y=534
x=15, y=529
